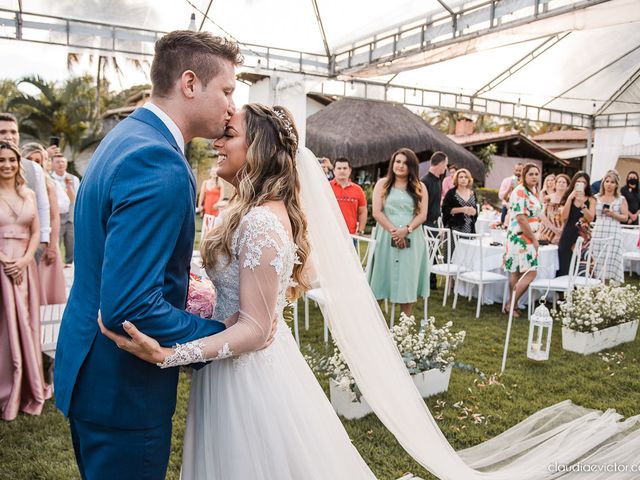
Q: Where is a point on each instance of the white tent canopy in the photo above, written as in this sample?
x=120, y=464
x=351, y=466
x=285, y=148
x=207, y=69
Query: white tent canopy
x=573, y=62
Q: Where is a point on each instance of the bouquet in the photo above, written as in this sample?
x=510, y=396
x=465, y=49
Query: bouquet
x=201, y=298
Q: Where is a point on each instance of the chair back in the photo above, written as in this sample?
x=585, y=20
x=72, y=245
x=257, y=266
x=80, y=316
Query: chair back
x=470, y=259
x=598, y=255
x=369, y=246
x=207, y=224
x=50, y=318
x=574, y=264
x=439, y=243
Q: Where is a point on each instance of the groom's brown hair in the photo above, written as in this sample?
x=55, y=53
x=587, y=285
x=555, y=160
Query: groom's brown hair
x=183, y=50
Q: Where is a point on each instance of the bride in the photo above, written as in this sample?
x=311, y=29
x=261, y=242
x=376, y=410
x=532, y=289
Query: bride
x=256, y=412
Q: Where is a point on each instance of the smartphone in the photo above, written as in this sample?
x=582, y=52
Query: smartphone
x=606, y=206
x=54, y=141
x=579, y=187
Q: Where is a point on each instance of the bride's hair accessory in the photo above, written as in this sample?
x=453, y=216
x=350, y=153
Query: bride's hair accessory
x=287, y=124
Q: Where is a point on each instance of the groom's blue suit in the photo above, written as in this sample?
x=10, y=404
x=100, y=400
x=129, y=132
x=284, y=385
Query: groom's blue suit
x=134, y=230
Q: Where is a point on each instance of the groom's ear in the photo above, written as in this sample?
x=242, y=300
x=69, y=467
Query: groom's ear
x=188, y=79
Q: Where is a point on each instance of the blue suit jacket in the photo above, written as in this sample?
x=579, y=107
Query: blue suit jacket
x=134, y=231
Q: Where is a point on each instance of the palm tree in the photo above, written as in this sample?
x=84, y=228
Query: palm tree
x=68, y=111
x=443, y=120
x=8, y=90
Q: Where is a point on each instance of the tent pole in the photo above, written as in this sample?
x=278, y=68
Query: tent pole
x=588, y=162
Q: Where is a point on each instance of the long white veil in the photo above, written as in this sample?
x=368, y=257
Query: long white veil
x=558, y=435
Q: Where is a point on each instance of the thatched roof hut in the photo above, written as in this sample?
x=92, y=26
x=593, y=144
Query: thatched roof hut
x=368, y=132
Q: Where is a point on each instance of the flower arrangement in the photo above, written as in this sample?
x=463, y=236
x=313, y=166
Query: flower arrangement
x=592, y=309
x=201, y=297
x=422, y=348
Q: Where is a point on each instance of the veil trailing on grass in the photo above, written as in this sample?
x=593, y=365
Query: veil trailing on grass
x=539, y=447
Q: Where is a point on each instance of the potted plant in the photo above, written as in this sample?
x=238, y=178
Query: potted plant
x=428, y=353
x=595, y=319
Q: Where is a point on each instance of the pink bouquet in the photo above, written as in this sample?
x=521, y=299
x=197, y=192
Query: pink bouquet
x=201, y=299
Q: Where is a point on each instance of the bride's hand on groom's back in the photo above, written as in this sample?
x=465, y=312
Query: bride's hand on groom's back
x=137, y=343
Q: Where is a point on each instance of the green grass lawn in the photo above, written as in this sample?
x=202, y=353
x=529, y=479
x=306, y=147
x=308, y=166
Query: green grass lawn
x=40, y=448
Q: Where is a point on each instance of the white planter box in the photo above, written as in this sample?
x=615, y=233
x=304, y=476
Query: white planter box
x=432, y=382
x=586, y=343
x=428, y=383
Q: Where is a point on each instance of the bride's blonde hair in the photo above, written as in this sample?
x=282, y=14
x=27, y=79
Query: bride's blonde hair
x=268, y=174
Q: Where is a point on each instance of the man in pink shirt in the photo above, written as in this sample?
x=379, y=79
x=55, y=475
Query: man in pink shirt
x=447, y=183
x=507, y=186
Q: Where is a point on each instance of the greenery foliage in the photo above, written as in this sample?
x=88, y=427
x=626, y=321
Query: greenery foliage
x=485, y=154
x=489, y=194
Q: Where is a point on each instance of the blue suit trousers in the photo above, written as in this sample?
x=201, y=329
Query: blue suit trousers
x=107, y=453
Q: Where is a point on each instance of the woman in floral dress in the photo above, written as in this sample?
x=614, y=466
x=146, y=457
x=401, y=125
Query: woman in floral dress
x=521, y=252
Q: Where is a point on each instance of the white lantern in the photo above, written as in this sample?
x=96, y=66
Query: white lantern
x=538, y=347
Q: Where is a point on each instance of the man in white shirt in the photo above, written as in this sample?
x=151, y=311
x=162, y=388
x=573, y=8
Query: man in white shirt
x=507, y=186
x=34, y=175
x=69, y=184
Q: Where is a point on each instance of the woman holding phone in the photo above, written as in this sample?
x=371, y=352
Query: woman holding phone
x=578, y=212
x=400, y=272
x=611, y=210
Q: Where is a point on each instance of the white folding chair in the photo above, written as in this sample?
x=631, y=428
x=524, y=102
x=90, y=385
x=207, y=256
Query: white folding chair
x=440, y=243
x=562, y=284
x=630, y=257
x=317, y=294
x=50, y=318
x=596, y=264
x=473, y=269
x=207, y=224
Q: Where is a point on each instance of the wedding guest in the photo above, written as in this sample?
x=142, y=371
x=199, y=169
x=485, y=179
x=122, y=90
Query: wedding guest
x=50, y=268
x=551, y=226
x=433, y=183
x=521, y=253
x=548, y=187
x=447, y=183
x=459, y=207
x=611, y=212
x=33, y=174
x=578, y=211
x=632, y=194
x=327, y=167
x=210, y=194
x=506, y=187
x=22, y=387
x=400, y=269
x=70, y=184
x=351, y=198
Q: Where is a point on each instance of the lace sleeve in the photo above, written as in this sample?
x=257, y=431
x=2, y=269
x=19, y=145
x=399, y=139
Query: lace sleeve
x=259, y=247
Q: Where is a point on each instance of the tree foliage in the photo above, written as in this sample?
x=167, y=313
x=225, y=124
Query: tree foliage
x=67, y=110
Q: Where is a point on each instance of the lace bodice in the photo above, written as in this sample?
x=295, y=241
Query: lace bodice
x=254, y=282
x=260, y=229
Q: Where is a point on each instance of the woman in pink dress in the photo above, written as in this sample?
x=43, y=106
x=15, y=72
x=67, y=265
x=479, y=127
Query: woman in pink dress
x=22, y=386
x=50, y=268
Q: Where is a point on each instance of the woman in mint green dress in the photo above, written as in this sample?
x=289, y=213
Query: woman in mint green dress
x=400, y=270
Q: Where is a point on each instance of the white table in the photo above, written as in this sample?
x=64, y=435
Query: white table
x=467, y=253
x=485, y=220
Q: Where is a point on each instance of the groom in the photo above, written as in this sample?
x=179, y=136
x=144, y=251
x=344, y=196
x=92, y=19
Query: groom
x=134, y=238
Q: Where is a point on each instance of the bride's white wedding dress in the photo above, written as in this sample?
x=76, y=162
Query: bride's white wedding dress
x=263, y=415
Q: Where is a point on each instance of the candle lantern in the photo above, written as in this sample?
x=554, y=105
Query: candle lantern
x=540, y=327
